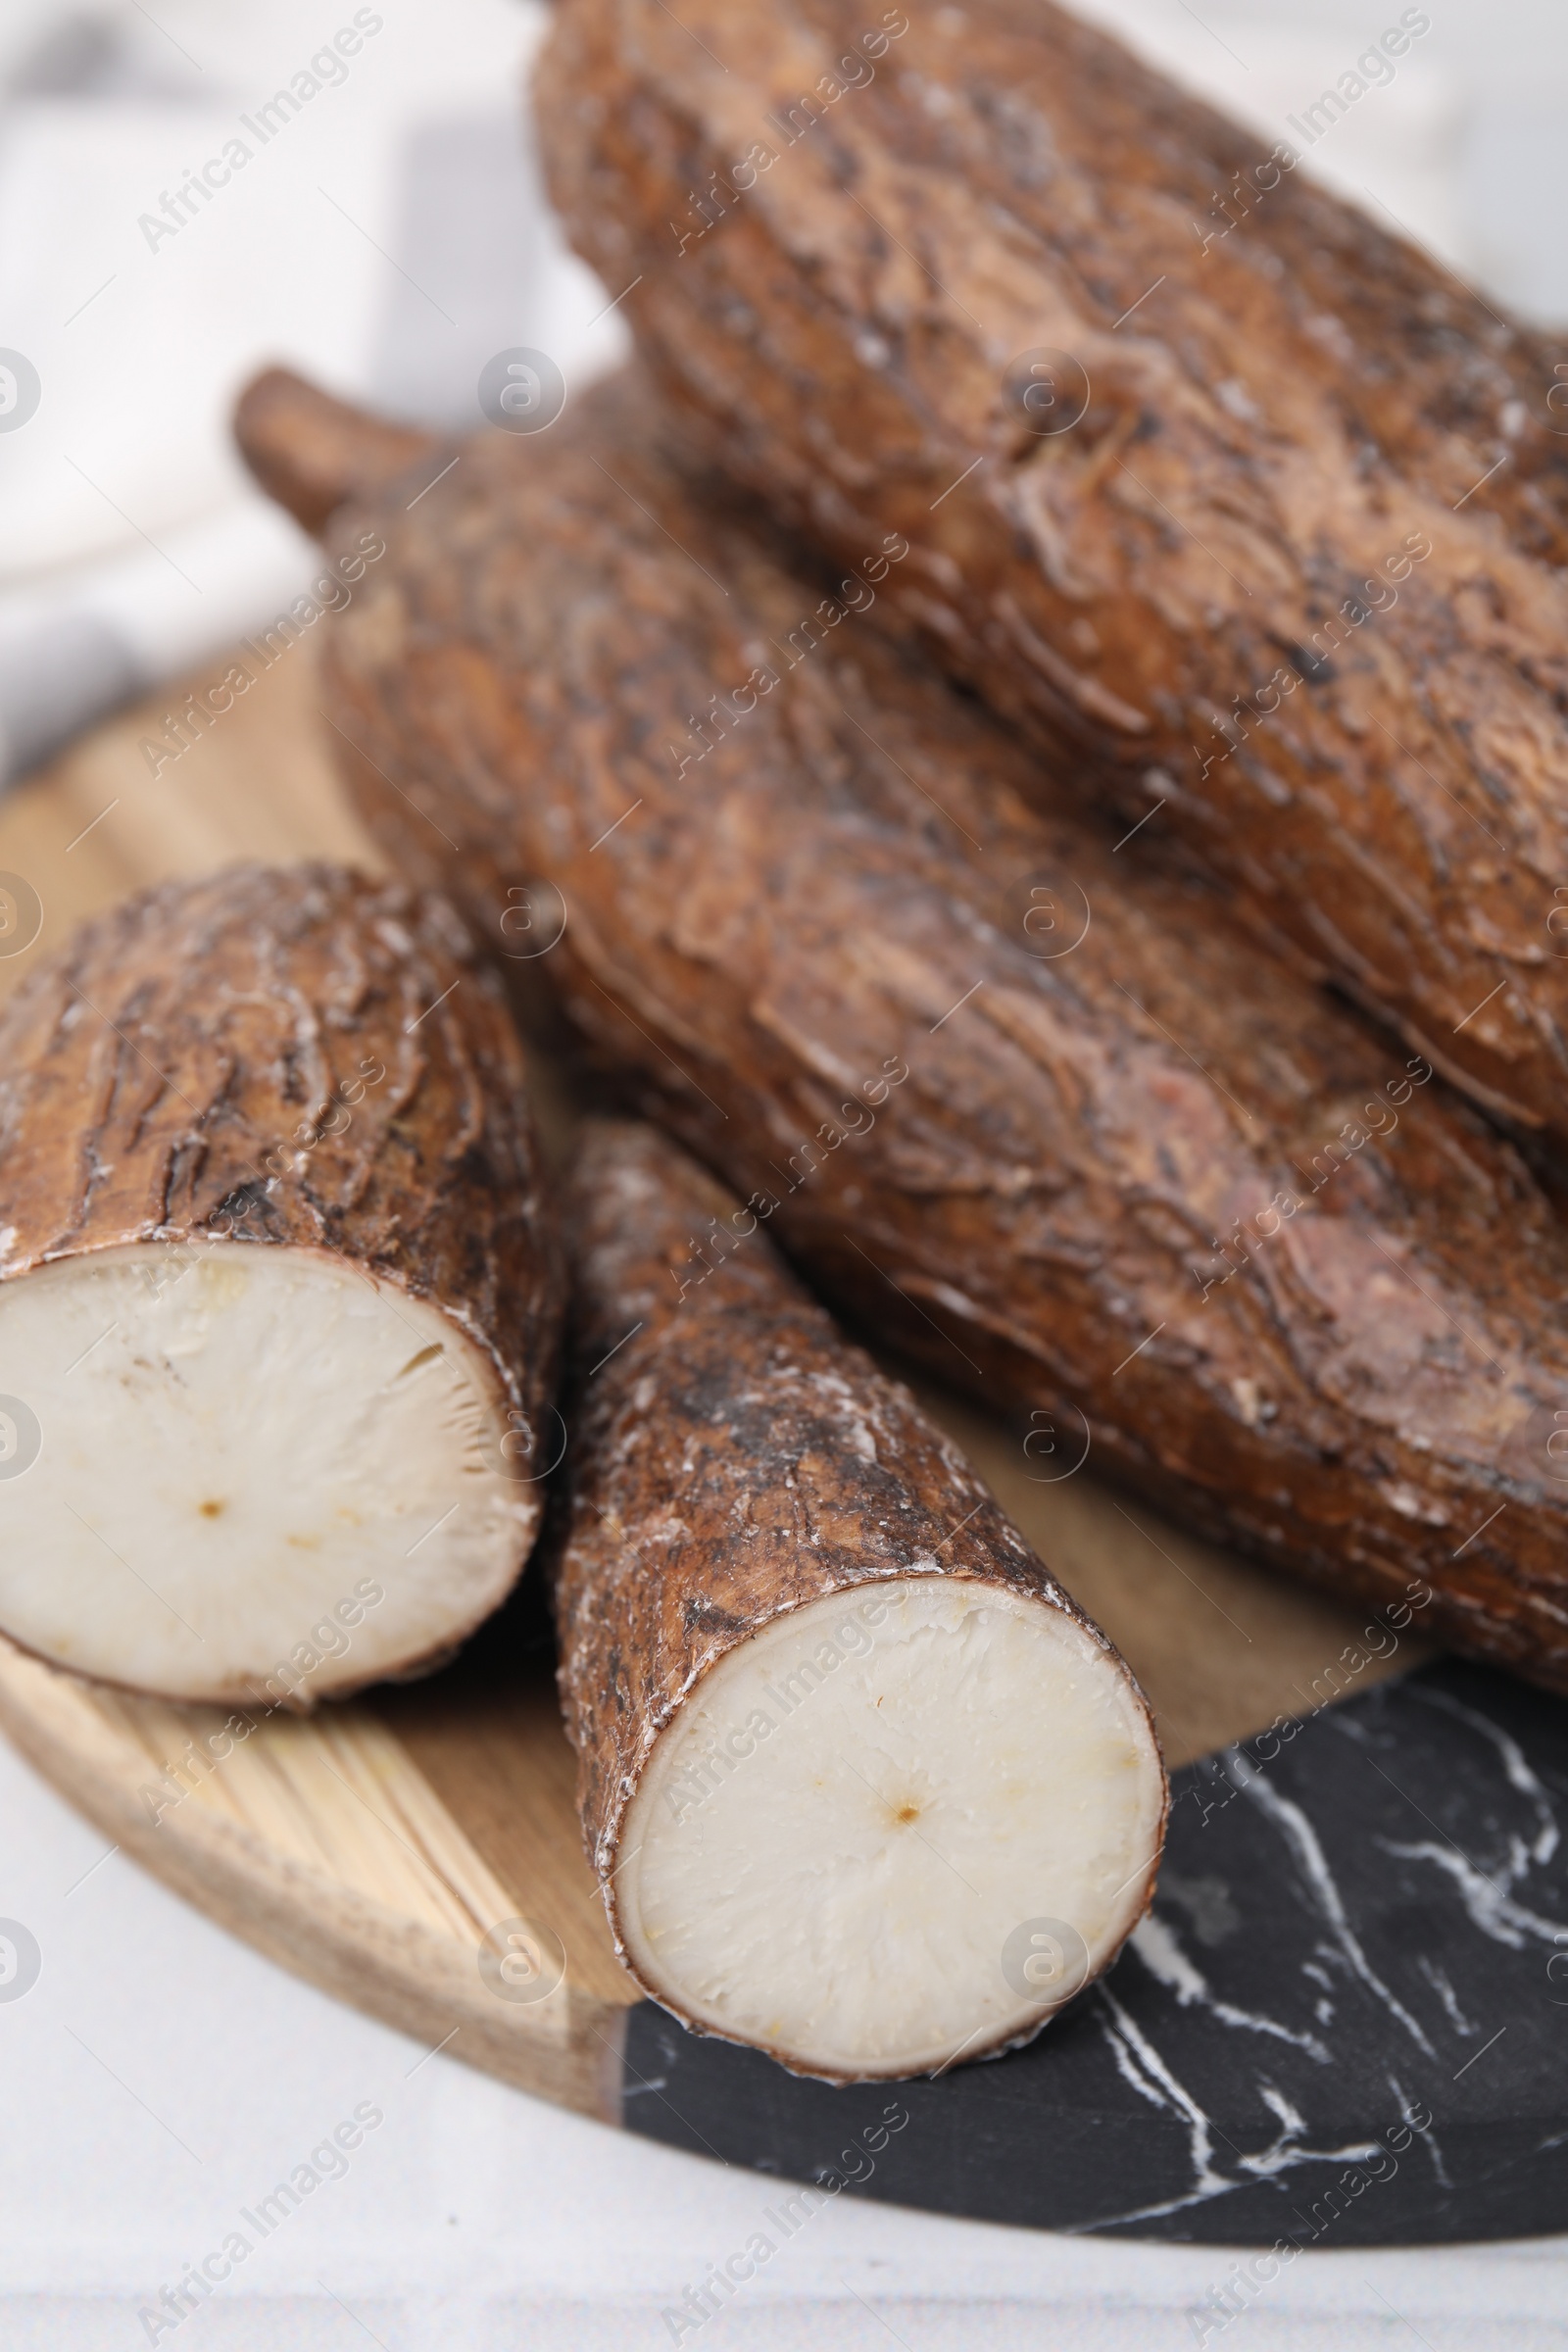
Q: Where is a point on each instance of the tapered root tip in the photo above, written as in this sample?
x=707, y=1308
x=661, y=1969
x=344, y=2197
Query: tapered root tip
x=311, y=451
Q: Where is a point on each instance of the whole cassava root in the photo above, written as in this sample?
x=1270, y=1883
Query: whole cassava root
x=279, y=1302
x=1017, y=1098
x=862, y=1785
x=1267, y=527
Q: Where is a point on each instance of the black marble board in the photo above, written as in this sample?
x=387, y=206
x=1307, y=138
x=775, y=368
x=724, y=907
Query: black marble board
x=1344, y=2024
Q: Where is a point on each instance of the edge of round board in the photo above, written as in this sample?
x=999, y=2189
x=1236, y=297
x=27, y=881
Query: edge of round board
x=1344, y=2023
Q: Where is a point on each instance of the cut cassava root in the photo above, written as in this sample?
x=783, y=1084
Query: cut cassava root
x=1018, y=1101
x=1268, y=528
x=862, y=1785
x=278, y=1312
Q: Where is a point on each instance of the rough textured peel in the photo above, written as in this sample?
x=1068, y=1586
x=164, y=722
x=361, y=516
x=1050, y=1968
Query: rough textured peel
x=1295, y=573
x=862, y=1785
x=278, y=1316
x=1013, y=1097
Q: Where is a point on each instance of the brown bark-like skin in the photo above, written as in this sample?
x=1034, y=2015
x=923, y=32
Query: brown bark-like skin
x=1297, y=570
x=719, y=1475
x=293, y=1058
x=840, y=890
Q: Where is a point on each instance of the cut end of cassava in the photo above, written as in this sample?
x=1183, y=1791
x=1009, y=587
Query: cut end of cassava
x=247, y=1473
x=899, y=1826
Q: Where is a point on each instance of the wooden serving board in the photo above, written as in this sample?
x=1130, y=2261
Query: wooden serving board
x=1346, y=1918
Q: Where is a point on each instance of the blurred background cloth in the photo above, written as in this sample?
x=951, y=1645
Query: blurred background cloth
x=389, y=235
